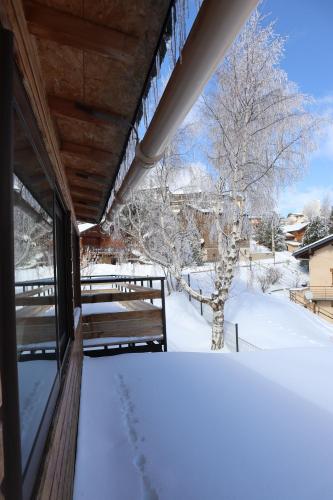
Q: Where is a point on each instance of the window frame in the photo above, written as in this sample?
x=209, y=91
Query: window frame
x=20, y=483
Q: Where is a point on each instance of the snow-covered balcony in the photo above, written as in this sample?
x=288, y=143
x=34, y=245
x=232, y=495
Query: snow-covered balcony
x=123, y=314
x=207, y=426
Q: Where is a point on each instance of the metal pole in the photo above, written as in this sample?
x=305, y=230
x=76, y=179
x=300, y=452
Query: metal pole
x=8, y=365
x=189, y=284
x=201, y=311
x=151, y=286
x=237, y=343
x=163, y=316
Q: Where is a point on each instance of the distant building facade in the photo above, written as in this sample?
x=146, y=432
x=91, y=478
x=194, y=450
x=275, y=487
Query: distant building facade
x=320, y=293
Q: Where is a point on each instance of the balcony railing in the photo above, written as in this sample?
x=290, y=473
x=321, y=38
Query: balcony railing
x=119, y=314
x=309, y=296
x=123, y=314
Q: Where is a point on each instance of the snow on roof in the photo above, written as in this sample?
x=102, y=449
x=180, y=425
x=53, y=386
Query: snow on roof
x=289, y=228
x=207, y=426
x=316, y=244
x=83, y=227
x=199, y=209
x=294, y=243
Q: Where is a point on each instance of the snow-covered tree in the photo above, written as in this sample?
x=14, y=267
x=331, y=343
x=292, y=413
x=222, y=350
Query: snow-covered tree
x=163, y=233
x=326, y=207
x=32, y=228
x=258, y=134
x=269, y=233
x=312, y=209
x=317, y=229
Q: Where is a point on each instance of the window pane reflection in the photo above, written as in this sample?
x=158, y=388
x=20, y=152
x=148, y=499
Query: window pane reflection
x=35, y=289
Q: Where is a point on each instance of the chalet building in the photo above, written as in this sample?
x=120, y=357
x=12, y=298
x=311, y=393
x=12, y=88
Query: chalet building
x=74, y=77
x=294, y=234
x=105, y=248
x=319, y=295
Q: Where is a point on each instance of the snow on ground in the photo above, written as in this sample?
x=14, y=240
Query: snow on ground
x=186, y=329
x=271, y=322
x=194, y=426
x=267, y=320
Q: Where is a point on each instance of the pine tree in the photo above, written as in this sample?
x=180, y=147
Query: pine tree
x=269, y=232
x=317, y=229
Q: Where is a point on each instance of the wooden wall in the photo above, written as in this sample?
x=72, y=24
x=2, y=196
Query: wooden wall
x=58, y=468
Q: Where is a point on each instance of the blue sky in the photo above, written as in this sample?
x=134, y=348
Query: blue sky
x=309, y=62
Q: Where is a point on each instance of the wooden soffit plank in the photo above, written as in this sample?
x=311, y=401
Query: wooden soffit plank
x=13, y=17
x=83, y=151
x=66, y=29
x=79, y=111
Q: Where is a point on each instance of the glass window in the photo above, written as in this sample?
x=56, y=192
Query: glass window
x=36, y=321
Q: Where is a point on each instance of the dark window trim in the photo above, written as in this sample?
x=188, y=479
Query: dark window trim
x=25, y=112
x=8, y=365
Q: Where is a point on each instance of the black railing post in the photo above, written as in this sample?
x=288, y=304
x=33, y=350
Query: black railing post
x=201, y=311
x=163, y=316
x=237, y=343
x=151, y=286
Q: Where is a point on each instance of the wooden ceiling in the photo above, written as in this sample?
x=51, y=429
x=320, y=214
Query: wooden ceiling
x=94, y=56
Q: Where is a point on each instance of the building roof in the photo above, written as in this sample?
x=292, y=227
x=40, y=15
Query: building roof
x=93, y=63
x=305, y=251
x=293, y=243
x=291, y=228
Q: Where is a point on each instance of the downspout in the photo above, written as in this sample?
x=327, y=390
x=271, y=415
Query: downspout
x=215, y=28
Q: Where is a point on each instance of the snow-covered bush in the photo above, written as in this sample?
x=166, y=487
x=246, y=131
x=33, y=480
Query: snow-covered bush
x=268, y=277
x=297, y=279
x=274, y=274
x=263, y=281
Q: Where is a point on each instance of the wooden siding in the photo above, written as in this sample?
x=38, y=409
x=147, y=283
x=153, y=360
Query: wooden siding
x=57, y=473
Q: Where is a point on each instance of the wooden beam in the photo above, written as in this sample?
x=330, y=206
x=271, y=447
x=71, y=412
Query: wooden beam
x=92, y=296
x=85, y=218
x=93, y=180
x=81, y=200
x=86, y=152
x=74, y=109
x=91, y=209
x=86, y=215
x=66, y=29
x=154, y=313
x=88, y=167
x=88, y=193
x=123, y=328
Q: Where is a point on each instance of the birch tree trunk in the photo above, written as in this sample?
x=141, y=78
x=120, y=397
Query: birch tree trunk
x=218, y=326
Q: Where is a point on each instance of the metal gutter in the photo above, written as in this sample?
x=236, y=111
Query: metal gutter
x=215, y=28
